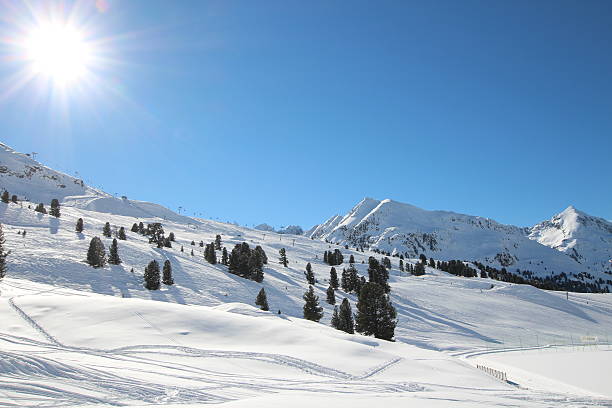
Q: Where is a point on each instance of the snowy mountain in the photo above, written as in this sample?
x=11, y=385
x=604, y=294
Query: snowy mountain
x=23, y=176
x=584, y=238
x=399, y=228
x=74, y=335
x=290, y=229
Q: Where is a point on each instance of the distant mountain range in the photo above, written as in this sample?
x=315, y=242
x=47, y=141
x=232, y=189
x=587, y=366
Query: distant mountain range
x=571, y=242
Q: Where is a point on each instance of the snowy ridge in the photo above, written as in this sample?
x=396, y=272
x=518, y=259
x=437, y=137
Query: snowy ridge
x=396, y=227
x=30, y=180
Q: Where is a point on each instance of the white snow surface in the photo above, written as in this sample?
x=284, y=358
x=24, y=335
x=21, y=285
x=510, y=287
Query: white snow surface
x=73, y=335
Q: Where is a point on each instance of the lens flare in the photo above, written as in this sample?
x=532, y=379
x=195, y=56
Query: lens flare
x=59, y=52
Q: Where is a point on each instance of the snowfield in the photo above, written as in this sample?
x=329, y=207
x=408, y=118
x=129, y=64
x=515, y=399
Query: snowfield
x=75, y=335
x=72, y=335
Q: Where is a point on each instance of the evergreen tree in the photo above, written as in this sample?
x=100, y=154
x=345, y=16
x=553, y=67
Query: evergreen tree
x=167, y=242
x=312, y=310
x=256, y=266
x=113, y=257
x=335, y=318
x=344, y=281
x=55, y=208
x=224, y=259
x=14, y=199
x=79, y=225
x=345, y=317
x=5, y=197
x=210, y=254
x=401, y=265
x=3, y=255
x=134, y=228
x=106, y=231
x=378, y=273
x=325, y=258
x=262, y=300
x=41, y=208
x=121, y=234
x=96, y=255
x=201, y=244
x=262, y=253
x=193, y=243
x=432, y=263
x=418, y=269
x=331, y=295
x=141, y=228
x=182, y=249
x=283, y=257
x=171, y=236
x=167, y=273
x=310, y=278
x=218, y=242
x=155, y=231
x=333, y=278
x=151, y=276
x=192, y=252
x=375, y=314
x=423, y=259
x=352, y=259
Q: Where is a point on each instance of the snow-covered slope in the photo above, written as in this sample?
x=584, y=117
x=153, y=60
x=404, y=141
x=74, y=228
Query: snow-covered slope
x=584, y=238
x=401, y=228
x=30, y=180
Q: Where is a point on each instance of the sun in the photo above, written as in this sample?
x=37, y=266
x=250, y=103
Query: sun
x=58, y=52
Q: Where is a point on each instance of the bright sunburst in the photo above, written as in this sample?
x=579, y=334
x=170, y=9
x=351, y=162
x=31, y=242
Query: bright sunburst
x=59, y=52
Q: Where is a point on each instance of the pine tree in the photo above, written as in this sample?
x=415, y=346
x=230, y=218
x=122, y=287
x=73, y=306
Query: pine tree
x=3, y=255
x=218, y=242
x=193, y=243
x=352, y=259
x=378, y=273
x=325, y=257
x=14, y=198
x=5, y=197
x=419, y=269
x=331, y=295
x=256, y=266
x=312, y=310
x=262, y=253
x=167, y=242
x=210, y=254
x=79, y=225
x=96, y=255
x=401, y=265
x=335, y=320
x=201, y=244
x=333, y=278
x=106, y=231
x=167, y=273
x=283, y=257
x=171, y=236
x=375, y=314
x=113, y=257
x=345, y=317
x=55, y=208
x=310, y=278
x=41, y=208
x=182, y=249
x=121, y=234
x=151, y=276
x=262, y=300
x=141, y=228
x=192, y=252
x=224, y=259
x=134, y=228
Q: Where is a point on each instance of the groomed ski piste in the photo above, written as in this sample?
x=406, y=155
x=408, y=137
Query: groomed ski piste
x=73, y=335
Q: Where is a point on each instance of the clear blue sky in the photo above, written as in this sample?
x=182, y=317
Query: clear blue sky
x=288, y=112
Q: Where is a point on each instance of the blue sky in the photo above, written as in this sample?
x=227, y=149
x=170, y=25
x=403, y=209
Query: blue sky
x=288, y=112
